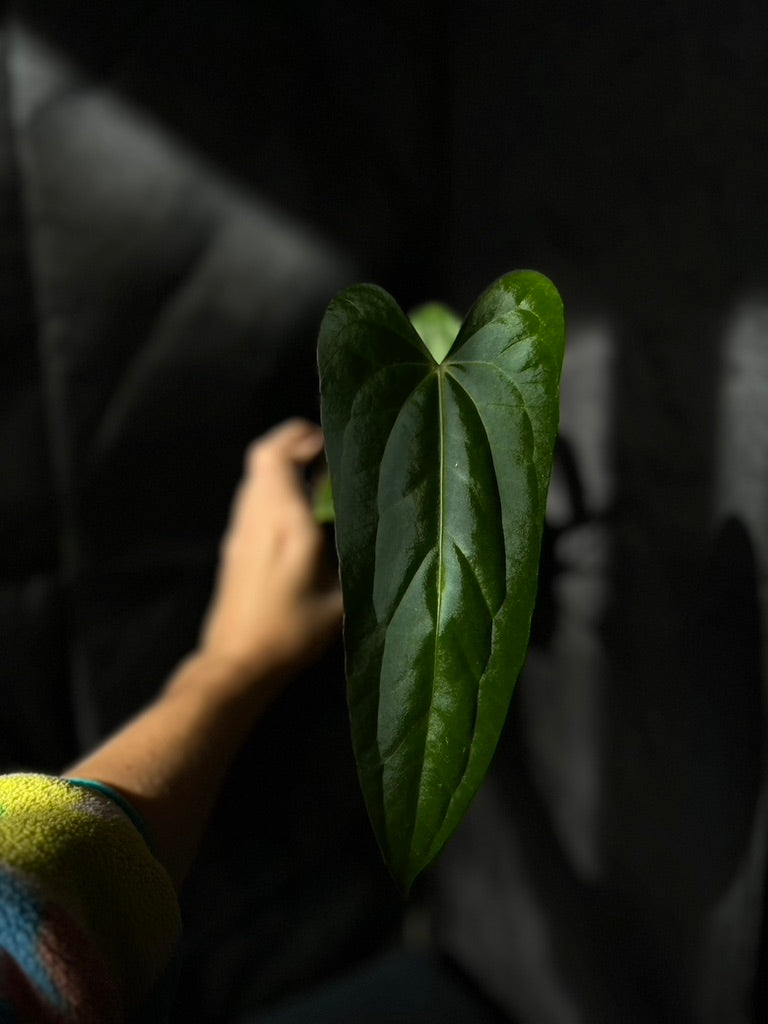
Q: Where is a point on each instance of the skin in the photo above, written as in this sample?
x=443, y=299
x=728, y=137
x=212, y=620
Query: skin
x=275, y=609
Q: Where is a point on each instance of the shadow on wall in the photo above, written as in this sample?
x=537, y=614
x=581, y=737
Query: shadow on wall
x=613, y=866
x=341, y=123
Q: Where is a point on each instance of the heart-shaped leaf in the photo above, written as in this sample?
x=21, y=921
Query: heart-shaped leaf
x=440, y=466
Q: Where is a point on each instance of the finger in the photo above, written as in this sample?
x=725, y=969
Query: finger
x=307, y=448
x=334, y=602
x=292, y=437
x=275, y=487
x=294, y=443
x=330, y=607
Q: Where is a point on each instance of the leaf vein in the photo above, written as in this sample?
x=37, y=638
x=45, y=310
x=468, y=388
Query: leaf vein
x=474, y=576
x=515, y=387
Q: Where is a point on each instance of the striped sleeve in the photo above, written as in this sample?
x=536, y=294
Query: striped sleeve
x=89, y=919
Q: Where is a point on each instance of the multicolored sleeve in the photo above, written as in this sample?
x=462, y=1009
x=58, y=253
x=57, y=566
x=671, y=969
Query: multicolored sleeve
x=89, y=919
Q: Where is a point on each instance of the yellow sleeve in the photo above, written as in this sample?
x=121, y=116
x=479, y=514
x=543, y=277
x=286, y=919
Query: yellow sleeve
x=79, y=876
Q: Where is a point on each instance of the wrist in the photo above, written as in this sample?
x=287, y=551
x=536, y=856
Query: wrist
x=227, y=681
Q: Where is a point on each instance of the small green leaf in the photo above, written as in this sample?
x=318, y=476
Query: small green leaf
x=440, y=466
x=437, y=326
x=322, y=500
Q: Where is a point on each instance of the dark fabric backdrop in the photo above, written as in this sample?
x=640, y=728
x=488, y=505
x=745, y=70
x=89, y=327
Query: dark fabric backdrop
x=182, y=189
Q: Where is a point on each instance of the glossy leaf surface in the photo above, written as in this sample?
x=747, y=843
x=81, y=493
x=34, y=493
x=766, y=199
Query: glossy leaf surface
x=440, y=472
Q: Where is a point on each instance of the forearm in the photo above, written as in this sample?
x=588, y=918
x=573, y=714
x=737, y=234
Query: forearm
x=276, y=606
x=170, y=761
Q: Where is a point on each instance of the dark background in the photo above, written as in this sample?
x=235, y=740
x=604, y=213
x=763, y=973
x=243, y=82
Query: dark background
x=183, y=187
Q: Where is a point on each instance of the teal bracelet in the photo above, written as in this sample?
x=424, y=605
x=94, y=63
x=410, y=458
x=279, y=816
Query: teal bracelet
x=122, y=803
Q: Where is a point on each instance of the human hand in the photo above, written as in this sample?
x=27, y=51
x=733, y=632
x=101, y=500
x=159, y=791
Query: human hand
x=276, y=604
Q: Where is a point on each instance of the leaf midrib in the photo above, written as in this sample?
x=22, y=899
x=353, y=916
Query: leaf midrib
x=440, y=372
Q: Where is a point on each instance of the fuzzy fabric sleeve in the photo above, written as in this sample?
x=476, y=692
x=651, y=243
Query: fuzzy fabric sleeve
x=89, y=919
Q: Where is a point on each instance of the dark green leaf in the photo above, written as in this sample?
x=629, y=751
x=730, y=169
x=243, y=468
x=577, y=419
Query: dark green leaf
x=440, y=469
